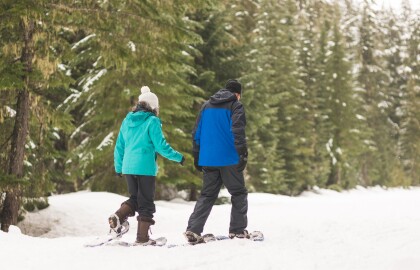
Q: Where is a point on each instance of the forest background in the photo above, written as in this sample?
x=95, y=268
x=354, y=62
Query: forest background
x=331, y=91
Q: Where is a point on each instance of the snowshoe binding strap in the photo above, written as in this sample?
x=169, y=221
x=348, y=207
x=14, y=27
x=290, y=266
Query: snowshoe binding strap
x=242, y=235
x=193, y=238
x=120, y=229
x=114, y=221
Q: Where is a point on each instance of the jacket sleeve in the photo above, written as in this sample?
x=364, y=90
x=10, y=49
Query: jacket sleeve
x=119, y=152
x=196, y=133
x=159, y=141
x=238, y=127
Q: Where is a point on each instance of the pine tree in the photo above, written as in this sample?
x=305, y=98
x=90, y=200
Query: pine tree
x=340, y=108
x=159, y=57
x=395, y=53
x=28, y=69
x=282, y=134
x=409, y=143
x=262, y=101
x=322, y=124
x=379, y=152
x=247, y=35
x=310, y=65
x=216, y=59
x=241, y=21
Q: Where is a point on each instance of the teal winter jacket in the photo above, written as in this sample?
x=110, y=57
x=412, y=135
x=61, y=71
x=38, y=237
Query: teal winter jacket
x=138, y=142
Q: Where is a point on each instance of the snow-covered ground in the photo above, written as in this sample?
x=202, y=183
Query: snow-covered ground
x=358, y=229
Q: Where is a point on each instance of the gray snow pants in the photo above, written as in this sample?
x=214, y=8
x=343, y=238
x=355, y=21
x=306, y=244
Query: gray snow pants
x=213, y=178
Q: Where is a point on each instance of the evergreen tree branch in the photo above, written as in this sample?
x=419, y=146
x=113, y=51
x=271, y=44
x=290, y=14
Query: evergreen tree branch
x=121, y=13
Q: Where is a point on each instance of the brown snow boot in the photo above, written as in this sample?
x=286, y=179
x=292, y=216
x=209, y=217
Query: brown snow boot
x=143, y=227
x=121, y=215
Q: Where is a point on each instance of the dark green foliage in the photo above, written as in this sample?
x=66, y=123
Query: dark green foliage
x=34, y=204
x=409, y=144
x=329, y=104
x=107, y=84
x=331, y=90
x=28, y=68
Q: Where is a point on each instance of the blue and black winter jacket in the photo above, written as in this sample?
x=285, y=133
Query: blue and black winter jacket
x=219, y=132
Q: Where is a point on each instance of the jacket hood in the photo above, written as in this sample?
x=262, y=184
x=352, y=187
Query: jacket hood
x=137, y=118
x=222, y=96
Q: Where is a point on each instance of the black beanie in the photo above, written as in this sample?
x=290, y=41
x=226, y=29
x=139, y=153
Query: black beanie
x=234, y=86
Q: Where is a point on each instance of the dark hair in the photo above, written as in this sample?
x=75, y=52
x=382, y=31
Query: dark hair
x=145, y=107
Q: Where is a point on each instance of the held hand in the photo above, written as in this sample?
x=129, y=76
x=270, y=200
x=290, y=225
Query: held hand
x=182, y=161
x=119, y=174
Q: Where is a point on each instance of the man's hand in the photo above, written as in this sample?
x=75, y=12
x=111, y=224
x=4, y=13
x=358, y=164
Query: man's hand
x=119, y=174
x=243, y=159
x=198, y=167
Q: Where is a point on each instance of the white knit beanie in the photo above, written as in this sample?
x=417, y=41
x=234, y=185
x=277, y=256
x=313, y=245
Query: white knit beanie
x=149, y=97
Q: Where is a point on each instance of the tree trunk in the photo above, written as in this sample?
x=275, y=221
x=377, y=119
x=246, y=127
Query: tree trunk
x=11, y=202
x=20, y=131
x=10, y=208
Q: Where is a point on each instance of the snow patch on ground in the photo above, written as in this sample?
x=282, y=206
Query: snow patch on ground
x=359, y=229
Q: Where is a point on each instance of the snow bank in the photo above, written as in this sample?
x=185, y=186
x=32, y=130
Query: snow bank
x=359, y=229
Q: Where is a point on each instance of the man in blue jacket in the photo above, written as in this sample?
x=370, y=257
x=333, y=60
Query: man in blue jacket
x=220, y=152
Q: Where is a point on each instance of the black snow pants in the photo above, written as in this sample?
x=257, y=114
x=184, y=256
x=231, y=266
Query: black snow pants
x=142, y=194
x=213, y=178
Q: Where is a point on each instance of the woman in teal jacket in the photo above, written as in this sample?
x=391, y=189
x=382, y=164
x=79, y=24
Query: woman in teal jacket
x=139, y=141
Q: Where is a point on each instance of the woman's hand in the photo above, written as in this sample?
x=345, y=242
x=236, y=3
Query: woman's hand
x=182, y=161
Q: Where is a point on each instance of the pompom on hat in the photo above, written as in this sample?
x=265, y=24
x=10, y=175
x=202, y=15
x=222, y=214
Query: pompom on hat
x=149, y=97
